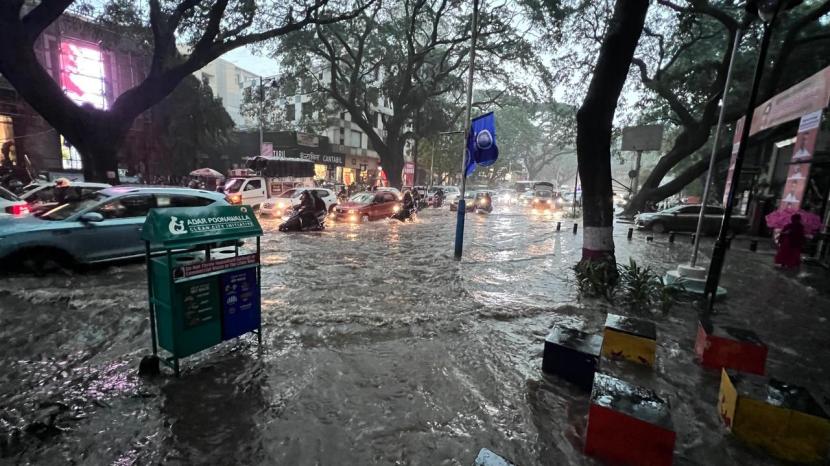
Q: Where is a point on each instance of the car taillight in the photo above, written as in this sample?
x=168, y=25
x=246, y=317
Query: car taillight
x=18, y=209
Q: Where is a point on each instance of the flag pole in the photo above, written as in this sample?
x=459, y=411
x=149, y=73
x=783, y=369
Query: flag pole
x=462, y=205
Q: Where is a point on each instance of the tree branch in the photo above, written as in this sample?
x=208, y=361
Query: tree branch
x=42, y=16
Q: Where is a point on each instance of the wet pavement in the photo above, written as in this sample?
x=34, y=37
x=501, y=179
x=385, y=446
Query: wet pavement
x=379, y=348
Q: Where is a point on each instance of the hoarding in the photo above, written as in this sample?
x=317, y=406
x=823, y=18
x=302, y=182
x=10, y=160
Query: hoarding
x=82, y=74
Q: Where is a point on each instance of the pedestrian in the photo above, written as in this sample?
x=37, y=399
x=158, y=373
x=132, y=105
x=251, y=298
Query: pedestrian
x=790, y=242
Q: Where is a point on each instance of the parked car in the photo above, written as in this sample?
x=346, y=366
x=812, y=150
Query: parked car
x=280, y=205
x=103, y=227
x=11, y=205
x=684, y=218
x=469, y=204
x=368, y=206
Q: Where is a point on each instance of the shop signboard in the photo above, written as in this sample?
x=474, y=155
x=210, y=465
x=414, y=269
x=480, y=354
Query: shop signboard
x=806, y=97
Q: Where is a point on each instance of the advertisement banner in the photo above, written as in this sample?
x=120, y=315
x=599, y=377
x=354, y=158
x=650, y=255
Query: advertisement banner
x=806, y=97
x=736, y=144
x=800, y=163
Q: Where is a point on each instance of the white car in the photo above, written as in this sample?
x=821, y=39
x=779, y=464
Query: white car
x=44, y=193
x=282, y=204
x=451, y=193
x=11, y=205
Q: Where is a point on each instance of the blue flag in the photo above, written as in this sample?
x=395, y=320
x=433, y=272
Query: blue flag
x=481, y=144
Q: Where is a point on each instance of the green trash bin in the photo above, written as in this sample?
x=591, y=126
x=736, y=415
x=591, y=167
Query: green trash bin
x=191, y=254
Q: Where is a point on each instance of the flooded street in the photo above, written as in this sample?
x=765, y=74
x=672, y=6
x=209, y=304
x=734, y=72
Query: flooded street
x=379, y=348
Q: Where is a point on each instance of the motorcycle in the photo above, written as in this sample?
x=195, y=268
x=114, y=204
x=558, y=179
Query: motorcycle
x=437, y=202
x=405, y=214
x=297, y=223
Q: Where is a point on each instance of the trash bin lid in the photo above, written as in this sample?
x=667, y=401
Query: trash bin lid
x=184, y=226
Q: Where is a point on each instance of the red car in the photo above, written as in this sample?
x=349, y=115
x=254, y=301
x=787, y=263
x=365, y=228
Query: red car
x=368, y=206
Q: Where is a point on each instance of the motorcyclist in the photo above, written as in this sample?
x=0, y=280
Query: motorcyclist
x=439, y=197
x=407, y=207
x=311, y=208
x=487, y=204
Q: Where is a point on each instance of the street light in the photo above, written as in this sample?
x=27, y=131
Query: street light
x=274, y=84
x=768, y=11
x=432, y=160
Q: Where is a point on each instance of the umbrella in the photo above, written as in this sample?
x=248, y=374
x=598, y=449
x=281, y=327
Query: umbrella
x=207, y=173
x=782, y=217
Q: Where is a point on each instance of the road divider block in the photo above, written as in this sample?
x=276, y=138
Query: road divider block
x=628, y=424
x=629, y=338
x=782, y=419
x=728, y=347
x=572, y=355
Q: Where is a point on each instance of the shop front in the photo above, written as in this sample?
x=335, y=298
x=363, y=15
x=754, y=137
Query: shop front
x=793, y=169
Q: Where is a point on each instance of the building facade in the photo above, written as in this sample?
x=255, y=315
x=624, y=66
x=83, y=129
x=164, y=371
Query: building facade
x=228, y=82
x=362, y=163
x=93, y=66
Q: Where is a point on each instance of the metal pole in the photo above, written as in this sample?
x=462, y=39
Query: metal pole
x=432, y=164
x=261, y=104
x=576, y=182
x=719, y=252
x=705, y=200
x=462, y=205
x=635, y=185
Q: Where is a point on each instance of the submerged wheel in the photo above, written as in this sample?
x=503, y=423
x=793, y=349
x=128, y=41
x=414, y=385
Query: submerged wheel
x=658, y=227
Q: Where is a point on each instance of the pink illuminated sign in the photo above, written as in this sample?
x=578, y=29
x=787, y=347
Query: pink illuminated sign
x=82, y=73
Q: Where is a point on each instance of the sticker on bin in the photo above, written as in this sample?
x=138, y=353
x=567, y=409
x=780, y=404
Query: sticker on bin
x=200, y=268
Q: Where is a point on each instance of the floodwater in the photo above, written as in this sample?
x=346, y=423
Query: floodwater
x=379, y=348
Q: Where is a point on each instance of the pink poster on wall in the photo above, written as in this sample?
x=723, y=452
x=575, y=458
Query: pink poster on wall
x=800, y=163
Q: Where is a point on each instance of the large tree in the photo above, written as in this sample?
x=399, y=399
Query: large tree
x=404, y=53
x=594, y=123
x=194, y=128
x=209, y=28
x=687, y=80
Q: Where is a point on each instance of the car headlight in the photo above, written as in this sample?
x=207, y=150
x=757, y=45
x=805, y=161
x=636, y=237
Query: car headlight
x=396, y=209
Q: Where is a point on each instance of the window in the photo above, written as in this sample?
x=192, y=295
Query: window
x=322, y=193
x=357, y=137
x=165, y=200
x=128, y=207
x=290, y=112
x=70, y=157
x=389, y=197
x=712, y=210
x=692, y=209
x=7, y=139
x=253, y=184
x=307, y=109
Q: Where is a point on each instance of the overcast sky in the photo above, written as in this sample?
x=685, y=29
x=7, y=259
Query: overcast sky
x=260, y=65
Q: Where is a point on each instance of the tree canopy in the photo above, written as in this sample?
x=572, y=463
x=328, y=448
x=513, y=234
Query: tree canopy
x=207, y=28
x=399, y=55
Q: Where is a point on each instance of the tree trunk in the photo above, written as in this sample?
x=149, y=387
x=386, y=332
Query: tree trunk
x=594, y=120
x=391, y=157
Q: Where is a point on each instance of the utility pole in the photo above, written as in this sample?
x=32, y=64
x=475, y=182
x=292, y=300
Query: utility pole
x=462, y=205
